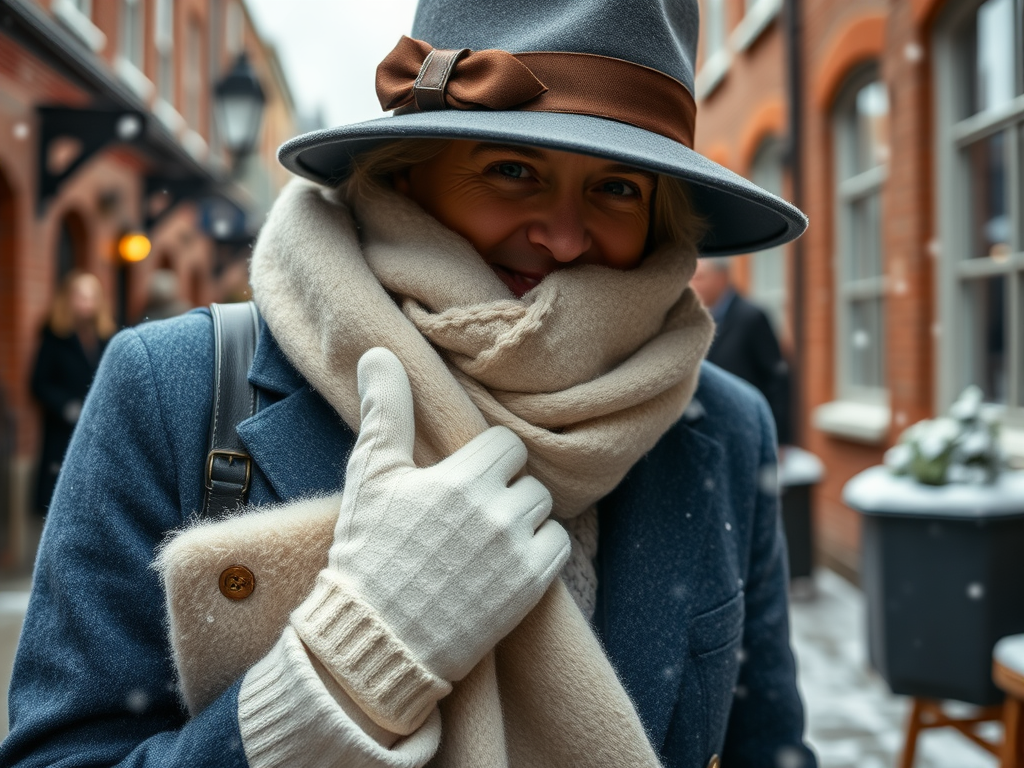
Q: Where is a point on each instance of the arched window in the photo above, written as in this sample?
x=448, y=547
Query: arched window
x=980, y=87
x=861, y=138
x=768, y=268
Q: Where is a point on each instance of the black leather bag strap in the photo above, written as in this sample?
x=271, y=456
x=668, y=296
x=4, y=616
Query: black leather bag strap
x=228, y=465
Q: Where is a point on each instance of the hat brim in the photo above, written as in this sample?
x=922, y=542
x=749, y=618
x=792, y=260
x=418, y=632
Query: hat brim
x=741, y=216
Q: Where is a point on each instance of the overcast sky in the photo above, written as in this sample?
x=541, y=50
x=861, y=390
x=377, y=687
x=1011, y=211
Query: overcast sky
x=330, y=50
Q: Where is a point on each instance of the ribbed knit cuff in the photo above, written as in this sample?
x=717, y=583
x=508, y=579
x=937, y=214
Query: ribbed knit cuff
x=369, y=661
x=288, y=719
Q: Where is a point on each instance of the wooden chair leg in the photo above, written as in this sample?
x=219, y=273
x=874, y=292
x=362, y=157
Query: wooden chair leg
x=1013, y=741
x=914, y=723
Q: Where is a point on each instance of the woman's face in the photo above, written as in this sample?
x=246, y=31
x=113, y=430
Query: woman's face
x=529, y=211
x=84, y=298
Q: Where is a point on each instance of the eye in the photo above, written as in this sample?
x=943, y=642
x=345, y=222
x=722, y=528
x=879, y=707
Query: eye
x=620, y=188
x=512, y=170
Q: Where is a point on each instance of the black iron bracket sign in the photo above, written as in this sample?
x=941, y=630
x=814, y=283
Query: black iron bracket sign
x=93, y=129
x=174, y=191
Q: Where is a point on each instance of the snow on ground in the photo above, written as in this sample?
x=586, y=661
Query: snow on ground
x=853, y=721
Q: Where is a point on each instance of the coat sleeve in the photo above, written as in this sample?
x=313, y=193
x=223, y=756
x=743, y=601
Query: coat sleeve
x=767, y=718
x=93, y=681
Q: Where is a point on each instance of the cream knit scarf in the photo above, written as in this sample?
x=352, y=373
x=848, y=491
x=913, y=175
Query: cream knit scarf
x=590, y=368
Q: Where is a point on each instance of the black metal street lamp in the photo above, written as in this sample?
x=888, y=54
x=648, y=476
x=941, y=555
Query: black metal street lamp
x=238, y=105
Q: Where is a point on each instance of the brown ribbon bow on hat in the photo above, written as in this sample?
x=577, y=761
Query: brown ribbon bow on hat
x=463, y=79
x=415, y=77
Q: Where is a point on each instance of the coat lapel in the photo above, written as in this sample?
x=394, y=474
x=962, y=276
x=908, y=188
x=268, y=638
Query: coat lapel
x=652, y=533
x=299, y=444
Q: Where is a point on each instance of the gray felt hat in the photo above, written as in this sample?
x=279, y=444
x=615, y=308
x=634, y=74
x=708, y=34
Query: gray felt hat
x=611, y=78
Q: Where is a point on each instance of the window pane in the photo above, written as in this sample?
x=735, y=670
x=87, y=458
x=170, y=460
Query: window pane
x=986, y=336
x=865, y=344
x=871, y=127
x=865, y=256
x=990, y=221
x=987, y=44
x=715, y=28
x=132, y=32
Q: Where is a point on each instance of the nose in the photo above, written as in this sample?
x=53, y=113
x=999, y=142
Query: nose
x=558, y=228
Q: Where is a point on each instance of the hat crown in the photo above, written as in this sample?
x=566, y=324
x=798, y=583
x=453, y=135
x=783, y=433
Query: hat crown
x=660, y=34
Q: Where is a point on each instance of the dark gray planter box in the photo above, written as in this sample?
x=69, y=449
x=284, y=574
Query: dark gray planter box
x=942, y=569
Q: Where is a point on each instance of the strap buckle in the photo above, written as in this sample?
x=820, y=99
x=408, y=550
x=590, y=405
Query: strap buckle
x=231, y=456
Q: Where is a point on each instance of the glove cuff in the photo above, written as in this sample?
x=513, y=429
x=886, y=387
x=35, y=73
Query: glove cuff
x=376, y=669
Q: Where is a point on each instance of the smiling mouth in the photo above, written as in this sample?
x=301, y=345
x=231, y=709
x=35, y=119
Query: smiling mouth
x=518, y=282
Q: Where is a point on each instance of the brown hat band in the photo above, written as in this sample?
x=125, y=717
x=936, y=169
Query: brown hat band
x=415, y=77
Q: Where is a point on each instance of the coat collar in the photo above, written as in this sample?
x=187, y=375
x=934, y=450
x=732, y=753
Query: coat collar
x=299, y=444
x=653, y=528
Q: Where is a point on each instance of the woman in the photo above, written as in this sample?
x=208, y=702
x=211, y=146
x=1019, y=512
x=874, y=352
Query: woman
x=73, y=341
x=495, y=324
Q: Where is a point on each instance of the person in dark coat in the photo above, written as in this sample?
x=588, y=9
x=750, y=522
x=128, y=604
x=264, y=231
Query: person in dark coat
x=72, y=343
x=745, y=344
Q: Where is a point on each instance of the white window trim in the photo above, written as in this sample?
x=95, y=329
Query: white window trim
x=860, y=422
x=72, y=18
x=951, y=135
x=847, y=190
x=134, y=78
x=757, y=19
x=195, y=144
x=169, y=116
x=712, y=73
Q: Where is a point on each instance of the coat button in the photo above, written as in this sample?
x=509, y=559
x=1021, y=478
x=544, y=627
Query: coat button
x=237, y=582
x=714, y=762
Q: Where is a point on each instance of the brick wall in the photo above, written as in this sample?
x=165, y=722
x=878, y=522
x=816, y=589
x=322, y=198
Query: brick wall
x=103, y=197
x=838, y=36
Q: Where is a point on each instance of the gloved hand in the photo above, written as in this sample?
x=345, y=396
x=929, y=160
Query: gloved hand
x=451, y=557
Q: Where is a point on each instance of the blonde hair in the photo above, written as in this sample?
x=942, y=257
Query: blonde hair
x=674, y=221
x=62, y=321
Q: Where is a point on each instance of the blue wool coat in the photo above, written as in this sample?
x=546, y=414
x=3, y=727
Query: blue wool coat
x=692, y=599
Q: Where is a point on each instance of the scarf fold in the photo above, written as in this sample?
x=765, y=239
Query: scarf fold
x=589, y=368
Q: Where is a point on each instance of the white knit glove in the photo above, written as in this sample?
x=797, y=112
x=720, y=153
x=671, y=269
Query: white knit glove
x=452, y=556
x=430, y=567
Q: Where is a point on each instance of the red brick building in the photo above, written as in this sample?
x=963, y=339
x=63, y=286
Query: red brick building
x=152, y=65
x=909, y=160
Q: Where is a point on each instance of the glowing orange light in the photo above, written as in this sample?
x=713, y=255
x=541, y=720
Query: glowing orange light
x=134, y=247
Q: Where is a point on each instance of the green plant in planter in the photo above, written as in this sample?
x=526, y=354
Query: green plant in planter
x=962, y=447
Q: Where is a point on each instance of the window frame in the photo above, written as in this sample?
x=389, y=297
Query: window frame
x=163, y=43
x=957, y=268
x=717, y=59
x=848, y=191
x=774, y=297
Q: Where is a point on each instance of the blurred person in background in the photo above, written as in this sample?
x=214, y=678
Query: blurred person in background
x=164, y=296
x=485, y=527
x=745, y=343
x=73, y=340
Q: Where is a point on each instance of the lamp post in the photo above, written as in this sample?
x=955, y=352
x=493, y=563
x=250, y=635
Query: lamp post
x=238, y=106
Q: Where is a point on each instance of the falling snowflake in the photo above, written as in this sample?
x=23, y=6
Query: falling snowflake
x=789, y=757
x=138, y=701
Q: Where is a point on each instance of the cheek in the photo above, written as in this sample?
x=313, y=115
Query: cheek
x=484, y=222
x=622, y=240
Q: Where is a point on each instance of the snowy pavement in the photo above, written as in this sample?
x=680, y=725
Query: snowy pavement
x=853, y=721
x=13, y=603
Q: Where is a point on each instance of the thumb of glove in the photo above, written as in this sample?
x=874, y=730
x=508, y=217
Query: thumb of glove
x=387, y=428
